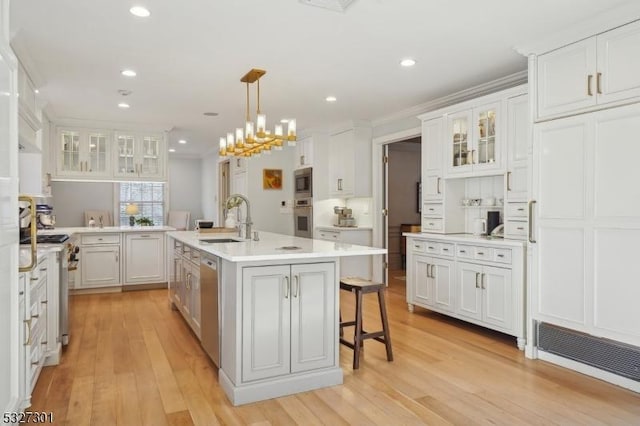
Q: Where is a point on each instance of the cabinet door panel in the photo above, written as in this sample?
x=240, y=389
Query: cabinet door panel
x=145, y=258
x=619, y=63
x=126, y=156
x=617, y=192
x=266, y=327
x=498, y=300
x=615, y=294
x=420, y=281
x=518, y=182
x=100, y=266
x=470, y=291
x=458, y=142
x=518, y=128
x=563, y=78
x=432, y=146
x=560, y=162
x=69, y=152
x=313, y=316
x=443, y=284
x=486, y=145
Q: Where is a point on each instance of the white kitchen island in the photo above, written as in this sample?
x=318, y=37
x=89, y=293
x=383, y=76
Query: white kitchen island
x=278, y=312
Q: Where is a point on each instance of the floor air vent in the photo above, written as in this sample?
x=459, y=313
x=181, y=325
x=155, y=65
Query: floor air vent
x=616, y=357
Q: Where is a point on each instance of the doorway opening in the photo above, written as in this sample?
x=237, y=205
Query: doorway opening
x=402, y=196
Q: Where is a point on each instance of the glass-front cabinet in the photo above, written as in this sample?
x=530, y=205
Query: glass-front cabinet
x=474, y=140
x=139, y=155
x=83, y=152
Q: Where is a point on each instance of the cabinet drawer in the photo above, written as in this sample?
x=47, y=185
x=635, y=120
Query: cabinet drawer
x=195, y=256
x=516, y=210
x=329, y=235
x=483, y=253
x=515, y=228
x=502, y=255
x=432, y=247
x=447, y=249
x=101, y=239
x=431, y=224
x=433, y=210
x=418, y=246
x=465, y=252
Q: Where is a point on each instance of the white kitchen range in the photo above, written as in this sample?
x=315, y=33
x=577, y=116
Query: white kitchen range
x=191, y=238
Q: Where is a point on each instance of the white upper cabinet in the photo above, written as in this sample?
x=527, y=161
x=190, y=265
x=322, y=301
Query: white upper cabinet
x=139, y=155
x=518, y=147
x=350, y=163
x=304, y=153
x=432, y=185
x=473, y=140
x=82, y=153
x=598, y=70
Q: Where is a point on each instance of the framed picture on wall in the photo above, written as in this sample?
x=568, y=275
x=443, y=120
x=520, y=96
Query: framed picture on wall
x=271, y=178
x=419, y=195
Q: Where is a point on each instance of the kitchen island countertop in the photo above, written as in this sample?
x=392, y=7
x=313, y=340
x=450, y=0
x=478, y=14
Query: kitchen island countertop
x=272, y=247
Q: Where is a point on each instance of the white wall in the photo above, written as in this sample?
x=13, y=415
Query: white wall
x=185, y=183
x=209, y=187
x=71, y=199
x=266, y=203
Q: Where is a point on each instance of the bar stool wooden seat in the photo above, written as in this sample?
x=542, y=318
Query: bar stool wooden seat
x=361, y=286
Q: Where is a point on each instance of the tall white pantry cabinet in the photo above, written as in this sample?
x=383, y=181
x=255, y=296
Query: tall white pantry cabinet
x=585, y=102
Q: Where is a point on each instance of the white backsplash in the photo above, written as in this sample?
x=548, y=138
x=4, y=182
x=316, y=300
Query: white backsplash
x=483, y=188
x=323, y=214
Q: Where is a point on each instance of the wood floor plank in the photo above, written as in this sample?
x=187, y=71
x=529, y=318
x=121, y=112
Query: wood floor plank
x=132, y=360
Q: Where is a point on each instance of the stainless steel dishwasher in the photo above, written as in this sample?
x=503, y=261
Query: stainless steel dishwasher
x=210, y=307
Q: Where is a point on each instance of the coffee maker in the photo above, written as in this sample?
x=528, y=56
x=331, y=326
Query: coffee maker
x=345, y=217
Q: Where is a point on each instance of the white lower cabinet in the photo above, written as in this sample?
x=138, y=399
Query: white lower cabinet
x=485, y=294
x=288, y=319
x=100, y=266
x=144, y=255
x=482, y=284
x=184, y=284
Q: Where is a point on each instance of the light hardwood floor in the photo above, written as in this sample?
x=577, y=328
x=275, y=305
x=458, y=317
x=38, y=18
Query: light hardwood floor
x=133, y=361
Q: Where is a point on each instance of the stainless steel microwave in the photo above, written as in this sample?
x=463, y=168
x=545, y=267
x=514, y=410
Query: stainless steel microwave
x=303, y=183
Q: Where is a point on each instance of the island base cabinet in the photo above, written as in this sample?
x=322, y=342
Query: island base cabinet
x=288, y=322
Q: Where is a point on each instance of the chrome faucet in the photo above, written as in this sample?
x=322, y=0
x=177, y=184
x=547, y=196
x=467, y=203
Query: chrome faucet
x=235, y=200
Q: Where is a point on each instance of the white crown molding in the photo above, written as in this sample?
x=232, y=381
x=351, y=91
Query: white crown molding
x=19, y=47
x=111, y=125
x=628, y=12
x=493, y=86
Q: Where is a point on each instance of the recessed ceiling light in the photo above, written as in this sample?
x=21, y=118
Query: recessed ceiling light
x=140, y=11
x=407, y=62
x=128, y=73
x=210, y=114
x=331, y=99
x=284, y=120
x=182, y=141
x=172, y=150
x=37, y=91
x=123, y=105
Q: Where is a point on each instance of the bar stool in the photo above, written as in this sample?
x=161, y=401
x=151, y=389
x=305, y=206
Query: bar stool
x=360, y=286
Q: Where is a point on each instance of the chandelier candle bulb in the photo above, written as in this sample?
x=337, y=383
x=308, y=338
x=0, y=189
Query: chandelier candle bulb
x=239, y=139
x=223, y=147
x=230, y=144
x=261, y=124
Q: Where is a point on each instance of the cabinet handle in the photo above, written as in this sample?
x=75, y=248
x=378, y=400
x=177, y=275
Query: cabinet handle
x=520, y=228
x=286, y=287
x=28, y=324
x=86, y=166
x=117, y=257
x=296, y=287
x=477, y=277
x=589, y=78
x=431, y=209
x=508, y=181
x=416, y=246
x=433, y=275
x=44, y=342
x=35, y=362
x=431, y=224
x=35, y=316
x=45, y=302
x=598, y=81
x=145, y=236
x=428, y=269
x=480, y=253
x=339, y=184
x=301, y=160
x=521, y=209
x=501, y=255
x=35, y=278
x=445, y=249
x=531, y=203
x=484, y=281
x=473, y=154
x=438, y=186
x=431, y=248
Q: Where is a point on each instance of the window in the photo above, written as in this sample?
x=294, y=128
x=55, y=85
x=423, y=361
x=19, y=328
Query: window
x=148, y=196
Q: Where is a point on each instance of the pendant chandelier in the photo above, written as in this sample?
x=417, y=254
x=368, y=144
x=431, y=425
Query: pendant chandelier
x=248, y=143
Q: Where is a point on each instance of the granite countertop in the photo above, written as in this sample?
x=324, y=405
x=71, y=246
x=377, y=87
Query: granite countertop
x=467, y=238
x=96, y=229
x=271, y=247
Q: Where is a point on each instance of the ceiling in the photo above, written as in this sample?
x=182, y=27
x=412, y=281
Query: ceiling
x=190, y=55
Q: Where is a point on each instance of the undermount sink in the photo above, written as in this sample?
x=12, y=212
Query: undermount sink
x=218, y=240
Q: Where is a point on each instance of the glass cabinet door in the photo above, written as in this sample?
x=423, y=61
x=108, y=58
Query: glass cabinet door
x=150, y=155
x=70, y=151
x=486, y=136
x=460, y=141
x=98, y=152
x=126, y=155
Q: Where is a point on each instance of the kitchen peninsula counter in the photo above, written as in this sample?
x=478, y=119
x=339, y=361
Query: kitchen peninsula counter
x=279, y=304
